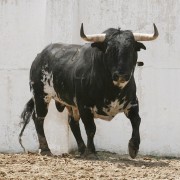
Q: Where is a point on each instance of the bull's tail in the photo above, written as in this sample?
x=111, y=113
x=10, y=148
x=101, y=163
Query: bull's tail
x=26, y=114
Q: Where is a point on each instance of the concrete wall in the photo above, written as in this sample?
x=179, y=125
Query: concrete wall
x=26, y=27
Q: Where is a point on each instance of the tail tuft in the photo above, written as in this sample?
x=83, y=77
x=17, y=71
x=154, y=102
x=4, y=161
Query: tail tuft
x=26, y=114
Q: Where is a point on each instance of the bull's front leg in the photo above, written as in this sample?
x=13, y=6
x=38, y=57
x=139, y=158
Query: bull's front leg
x=132, y=113
x=90, y=127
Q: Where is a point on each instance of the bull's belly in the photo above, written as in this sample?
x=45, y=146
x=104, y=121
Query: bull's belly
x=103, y=117
x=107, y=113
x=107, y=117
x=110, y=111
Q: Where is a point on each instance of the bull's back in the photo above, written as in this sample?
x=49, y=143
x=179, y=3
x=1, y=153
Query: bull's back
x=53, y=58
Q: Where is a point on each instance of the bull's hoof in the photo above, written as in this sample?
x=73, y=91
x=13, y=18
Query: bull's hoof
x=46, y=153
x=133, y=150
x=82, y=149
x=89, y=155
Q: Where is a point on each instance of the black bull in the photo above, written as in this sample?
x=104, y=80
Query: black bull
x=95, y=80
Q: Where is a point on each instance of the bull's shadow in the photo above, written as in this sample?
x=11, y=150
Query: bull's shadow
x=126, y=161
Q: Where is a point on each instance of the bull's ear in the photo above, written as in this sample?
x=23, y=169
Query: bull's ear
x=139, y=46
x=100, y=46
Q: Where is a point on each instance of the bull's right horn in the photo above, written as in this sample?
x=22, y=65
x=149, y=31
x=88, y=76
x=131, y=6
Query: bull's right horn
x=93, y=37
x=146, y=37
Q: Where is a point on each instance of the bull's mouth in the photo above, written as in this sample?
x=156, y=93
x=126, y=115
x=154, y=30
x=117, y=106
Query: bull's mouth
x=120, y=83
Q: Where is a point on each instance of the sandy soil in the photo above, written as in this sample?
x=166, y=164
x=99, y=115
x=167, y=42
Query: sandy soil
x=69, y=166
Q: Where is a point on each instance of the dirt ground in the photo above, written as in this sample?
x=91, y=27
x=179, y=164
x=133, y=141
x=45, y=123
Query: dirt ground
x=109, y=166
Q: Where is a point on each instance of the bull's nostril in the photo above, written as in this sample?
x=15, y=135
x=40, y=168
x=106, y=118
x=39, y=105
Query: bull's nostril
x=115, y=77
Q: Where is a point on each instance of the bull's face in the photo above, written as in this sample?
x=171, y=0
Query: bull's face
x=121, y=57
x=120, y=48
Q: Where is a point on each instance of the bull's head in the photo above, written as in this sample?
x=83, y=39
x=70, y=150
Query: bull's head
x=120, y=51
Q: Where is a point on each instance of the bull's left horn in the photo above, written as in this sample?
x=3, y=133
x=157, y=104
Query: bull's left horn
x=146, y=37
x=93, y=37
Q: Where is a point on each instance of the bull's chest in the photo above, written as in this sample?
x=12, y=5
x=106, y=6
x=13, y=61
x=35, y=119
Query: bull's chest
x=109, y=110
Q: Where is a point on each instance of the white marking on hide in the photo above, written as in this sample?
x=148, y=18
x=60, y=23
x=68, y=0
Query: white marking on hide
x=48, y=83
x=120, y=84
x=94, y=111
x=106, y=118
x=47, y=80
x=113, y=108
x=47, y=99
x=75, y=101
x=128, y=107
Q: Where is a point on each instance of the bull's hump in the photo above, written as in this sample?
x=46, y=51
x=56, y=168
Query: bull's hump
x=60, y=50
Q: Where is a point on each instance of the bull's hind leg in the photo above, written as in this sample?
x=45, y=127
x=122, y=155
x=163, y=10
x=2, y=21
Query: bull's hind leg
x=41, y=109
x=133, y=114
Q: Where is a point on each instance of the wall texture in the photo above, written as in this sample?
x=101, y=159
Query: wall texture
x=26, y=27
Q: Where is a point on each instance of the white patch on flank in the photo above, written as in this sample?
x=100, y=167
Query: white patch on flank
x=47, y=80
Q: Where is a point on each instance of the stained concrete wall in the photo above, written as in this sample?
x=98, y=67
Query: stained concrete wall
x=26, y=27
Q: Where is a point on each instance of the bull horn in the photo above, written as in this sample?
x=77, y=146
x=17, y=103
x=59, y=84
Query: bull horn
x=93, y=37
x=146, y=37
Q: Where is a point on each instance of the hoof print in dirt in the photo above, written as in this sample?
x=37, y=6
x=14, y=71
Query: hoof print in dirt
x=133, y=150
x=91, y=156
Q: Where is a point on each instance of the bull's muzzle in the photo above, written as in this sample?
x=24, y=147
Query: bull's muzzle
x=120, y=77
